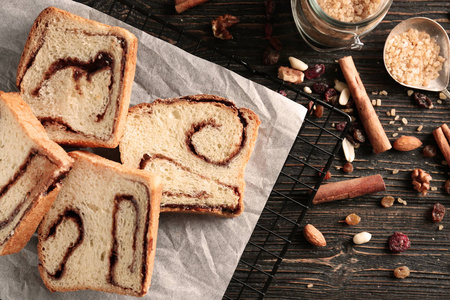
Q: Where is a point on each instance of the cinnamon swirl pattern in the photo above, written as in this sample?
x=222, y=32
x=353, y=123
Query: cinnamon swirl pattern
x=199, y=145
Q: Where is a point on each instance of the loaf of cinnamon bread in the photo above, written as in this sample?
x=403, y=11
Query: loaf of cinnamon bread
x=199, y=145
x=100, y=233
x=31, y=167
x=76, y=74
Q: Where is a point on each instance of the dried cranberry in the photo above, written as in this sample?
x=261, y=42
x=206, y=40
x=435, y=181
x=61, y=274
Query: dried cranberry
x=318, y=112
x=275, y=43
x=268, y=30
x=438, y=212
x=341, y=126
x=270, y=8
x=315, y=71
x=331, y=96
x=429, y=151
x=320, y=88
x=348, y=167
x=359, y=136
x=399, y=242
x=282, y=92
x=422, y=100
x=447, y=186
x=270, y=56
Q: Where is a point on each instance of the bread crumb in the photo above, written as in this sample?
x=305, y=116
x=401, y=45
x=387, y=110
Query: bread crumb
x=310, y=285
x=383, y=93
x=378, y=102
x=409, y=93
x=391, y=122
x=307, y=90
x=404, y=121
x=441, y=227
x=433, y=188
x=420, y=128
x=395, y=171
x=394, y=134
x=397, y=117
x=442, y=96
x=393, y=112
x=400, y=200
x=400, y=128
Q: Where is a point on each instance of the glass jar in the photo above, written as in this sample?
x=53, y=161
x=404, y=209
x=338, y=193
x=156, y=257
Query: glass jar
x=324, y=33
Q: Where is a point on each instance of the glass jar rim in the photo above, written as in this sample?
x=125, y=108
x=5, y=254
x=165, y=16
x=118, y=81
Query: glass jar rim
x=325, y=17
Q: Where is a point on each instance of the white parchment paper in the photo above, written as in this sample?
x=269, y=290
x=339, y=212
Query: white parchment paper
x=196, y=255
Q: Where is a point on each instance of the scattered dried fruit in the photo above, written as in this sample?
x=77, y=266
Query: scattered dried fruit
x=422, y=100
x=359, y=136
x=275, y=43
x=290, y=75
x=421, y=181
x=283, y=93
x=401, y=272
x=352, y=219
x=320, y=88
x=327, y=175
x=407, y=143
x=387, y=201
x=341, y=126
x=399, y=242
x=362, y=238
x=314, y=236
x=331, y=96
x=270, y=8
x=221, y=24
x=447, y=186
x=438, y=212
x=268, y=30
x=429, y=151
x=318, y=112
x=270, y=56
x=315, y=71
x=348, y=167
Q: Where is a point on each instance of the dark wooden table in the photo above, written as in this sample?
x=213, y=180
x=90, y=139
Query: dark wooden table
x=341, y=269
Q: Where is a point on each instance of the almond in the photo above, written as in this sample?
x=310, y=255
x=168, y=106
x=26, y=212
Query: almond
x=407, y=143
x=314, y=236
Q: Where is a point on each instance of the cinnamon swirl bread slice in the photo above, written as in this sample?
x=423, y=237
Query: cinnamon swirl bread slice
x=76, y=74
x=31, y=167
x=100, y=233
x=199, y=145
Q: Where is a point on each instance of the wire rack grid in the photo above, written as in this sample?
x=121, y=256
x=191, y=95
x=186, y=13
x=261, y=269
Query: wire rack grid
x=311, y=155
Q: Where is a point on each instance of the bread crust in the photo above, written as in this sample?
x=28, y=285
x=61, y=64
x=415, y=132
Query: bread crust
x=32, y=46
x=62, y=164
x=250, y=117
x=153, y=182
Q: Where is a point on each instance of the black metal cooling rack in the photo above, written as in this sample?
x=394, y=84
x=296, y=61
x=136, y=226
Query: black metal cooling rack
x=311, y=155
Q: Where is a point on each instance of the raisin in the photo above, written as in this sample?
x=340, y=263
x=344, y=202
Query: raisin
x=315, y=71
x=320, y=88
x=331, y=96
x=318, y=112
x=351, y=140
x=282, y=92
x=429, y=151
x=387, y=201
x=447, y=186
x=422, y=100
x=401, y=272
x=268, y=30
x=275, y=43
x=341, y=126
x=399, y=242
x=348, y=167
x=438, y=212
x=270, y=8
x=270, y=56
x=359, y=136
x=352, y=219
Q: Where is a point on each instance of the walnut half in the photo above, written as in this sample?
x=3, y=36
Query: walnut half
x=221, y=24
x=421, y=181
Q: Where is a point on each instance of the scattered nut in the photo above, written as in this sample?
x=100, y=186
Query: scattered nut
x=374, y=93
x=395, y=171
x=407, y=143
x=401, y=272
x=401, y=201
x=290, y=75
x=344, y=96
x=374, y=103
x=221, y=24
x=383, y=93
x=420, y=128
x=388, y=113
x=314, y=236
x=442, y=96
x=310, y=285
x=349, y=150
x=400, y=129
x=393, y=112
x=409, y=92
x=362, y=238
x=339, y=86
x=391, y=122
x=394, y=134
x=404, y=121
x=387, y=201
x=433, y=188
x=439, y=101
x=307, y=90
x=421, y=181
x=397, y=117
x=440, y=227
x=378, y=102
x=297, y=64
x=352, y=219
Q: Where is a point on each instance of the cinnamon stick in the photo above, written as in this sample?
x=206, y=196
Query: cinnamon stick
x=375, y=132
x=441, y=139
x=181, y=6
x=349, y=189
